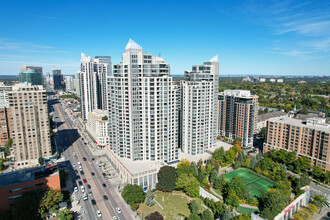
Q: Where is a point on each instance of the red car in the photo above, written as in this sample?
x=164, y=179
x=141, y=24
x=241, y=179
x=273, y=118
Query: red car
x=84, y=180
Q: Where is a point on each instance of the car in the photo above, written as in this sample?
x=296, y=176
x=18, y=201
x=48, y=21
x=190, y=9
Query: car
x=104, y=174
x=77, y=177
x=114, y=218
x=73, y=165
x=82, y=138
x=93, y=174
x=85, y=143
x=118, y=210
x=90, y=192
x=76, y=189
x=93, y=159
x=75, y=157
x=105, y=197
x=82, y=189
x=88, y=186
x=98, y=213
x=82, y=173
x=80, y=183
x=104, y=185
x=79, y=163
x=84, y=180
x=105, y=177
x=99, y=166
x=84, y=159
x=74, y=153
x=85, y=197
x=93, y=202
x=76, y=171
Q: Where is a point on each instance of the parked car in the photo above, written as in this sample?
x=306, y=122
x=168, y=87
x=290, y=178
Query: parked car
x=93, y=174
x=84, y=180
x=82, y=189
x=104, y=185
x=93, y=202
x=76, y=189
x=118, y=210
x=105, y=197
x=85, y=197
x=98, y=213
x=90, y=192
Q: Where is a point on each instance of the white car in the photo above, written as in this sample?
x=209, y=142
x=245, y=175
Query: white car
x=118, y=210
x=76, y=189
x=85, y=197
x=74, y=165
x=74, y=153
x=82, y=189
x=79, y=164
x=114, y=218
x=80, y=169
x=98, y=212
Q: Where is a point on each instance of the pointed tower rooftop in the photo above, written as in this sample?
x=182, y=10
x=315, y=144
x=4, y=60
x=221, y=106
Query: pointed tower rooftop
x=132, y=45
x=214, y=59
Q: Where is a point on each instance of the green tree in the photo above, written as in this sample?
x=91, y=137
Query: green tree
x=50, y=199
x=166, y=179
x=193, y=207
x=220, y=183
x=150, y=200
x=317, y=173
x=263, y=133
x=228, y=214
x=105, y=118
x=213, y=176
x=2, y=166
x=193, y=216
x=219, y=154
x=236, y=185
x=270, y=204
x=154, y=216
x=133, y=194
x=232, y=199
x=194, y=168
x=230, y=155
x=64, y=214
x=189, y=184
x=243, y=216
x=41, y=161
x=207, y=215
x=320, y=201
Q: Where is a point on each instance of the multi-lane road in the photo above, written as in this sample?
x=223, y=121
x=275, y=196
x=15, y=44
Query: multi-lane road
x=104, y=193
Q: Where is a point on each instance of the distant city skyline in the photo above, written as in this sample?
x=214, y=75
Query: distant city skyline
x=250, y=37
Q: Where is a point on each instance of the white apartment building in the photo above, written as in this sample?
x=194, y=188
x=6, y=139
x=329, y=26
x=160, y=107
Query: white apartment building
x=142, y=108
x=29, y=124
x=97, y=126
x=198, y=117
x=93, y=83
x=77, y=82
x=69, y=83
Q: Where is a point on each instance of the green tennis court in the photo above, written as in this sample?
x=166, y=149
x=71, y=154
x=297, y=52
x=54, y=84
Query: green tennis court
x=254, y=183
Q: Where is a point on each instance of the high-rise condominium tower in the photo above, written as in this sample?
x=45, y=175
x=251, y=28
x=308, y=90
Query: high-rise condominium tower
x=93, y=83
x=199, y=91
x=29, y=124
x=237, y=115
x=58, y=79
x=142, y=108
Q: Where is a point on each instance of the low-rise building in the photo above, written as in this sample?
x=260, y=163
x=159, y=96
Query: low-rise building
x=272, y=80
x=279, y=80
x=97, y=126
x=308, y=138
x=262, y=119
x=14, y=184
x=262, y=79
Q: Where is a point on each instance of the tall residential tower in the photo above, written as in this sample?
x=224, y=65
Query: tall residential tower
x=199, y=91
x=93, y=83
x=142, y=108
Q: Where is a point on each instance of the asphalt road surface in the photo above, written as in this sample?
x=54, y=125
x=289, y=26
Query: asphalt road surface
x=69, y=137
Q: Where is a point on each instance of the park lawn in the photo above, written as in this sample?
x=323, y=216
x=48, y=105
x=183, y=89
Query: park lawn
x=246, y=210
x=175, y=205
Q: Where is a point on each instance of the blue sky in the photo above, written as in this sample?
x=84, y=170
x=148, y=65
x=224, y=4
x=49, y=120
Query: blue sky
x=250, y=37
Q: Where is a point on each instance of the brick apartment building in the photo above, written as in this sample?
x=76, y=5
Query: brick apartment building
x=237, y=115
x=308, y=138
x=5, y=133
x=14, y=184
